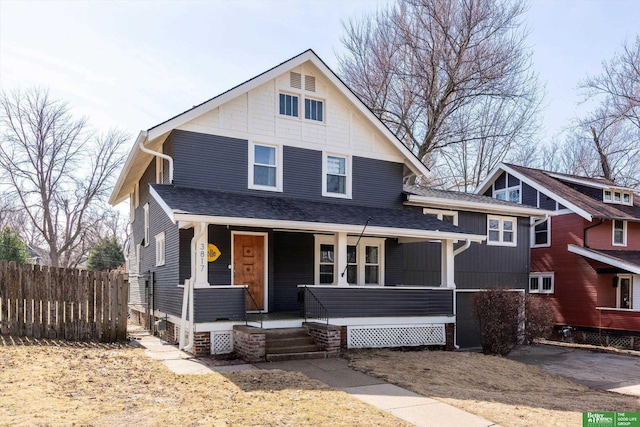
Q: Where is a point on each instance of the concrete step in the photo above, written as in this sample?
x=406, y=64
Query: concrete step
x=288, y=342
x=294, y=349
x=296, y=356
x=285, y=333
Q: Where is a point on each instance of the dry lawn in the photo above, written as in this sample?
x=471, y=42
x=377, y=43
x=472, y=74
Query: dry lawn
x=44, y=382
x=506, y=392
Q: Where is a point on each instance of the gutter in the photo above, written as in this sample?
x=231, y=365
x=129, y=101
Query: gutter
x=538, y=222
x=156, y=153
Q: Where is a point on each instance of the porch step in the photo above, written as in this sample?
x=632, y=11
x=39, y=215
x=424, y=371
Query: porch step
x=291, y=344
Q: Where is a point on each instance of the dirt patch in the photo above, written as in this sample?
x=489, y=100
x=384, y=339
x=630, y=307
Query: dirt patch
x=504, y=391
x=50, y=382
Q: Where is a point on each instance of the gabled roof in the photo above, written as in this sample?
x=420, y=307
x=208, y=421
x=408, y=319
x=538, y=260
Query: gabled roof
x=625, y=260
x=123, y=185
x=556, y=186
x=218, y=207
x=444, y=199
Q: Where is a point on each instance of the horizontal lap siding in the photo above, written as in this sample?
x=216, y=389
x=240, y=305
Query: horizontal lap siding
x=374, y=302
x=218, y=304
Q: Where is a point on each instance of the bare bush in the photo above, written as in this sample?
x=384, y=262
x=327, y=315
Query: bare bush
x=498, y=313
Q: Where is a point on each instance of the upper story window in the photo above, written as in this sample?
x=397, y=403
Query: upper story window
x=501, y=231
x=288, y=105
x=619, y=233
x=365, y=262
x=541, y=233
x=511, y=194
x=541, y=283
x=447, y=216
x=159, y=170
x=265, y=170
x=336, y=172
x=146, y=224
x=160, y=249
x=313, y=109
x=617, y=196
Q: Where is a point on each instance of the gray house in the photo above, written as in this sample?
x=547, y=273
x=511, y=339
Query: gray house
x=280, y=204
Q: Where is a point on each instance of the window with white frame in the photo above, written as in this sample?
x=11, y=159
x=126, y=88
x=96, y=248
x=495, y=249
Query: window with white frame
x=365, y=262
x=510, y=194
x=159, y=170
x=447, y=216
x=541, y=233
x=541, y=283
x=617, y=196
x=501, y=231
x=265, y=170
x=624, y=292
x=313, y=109
x=146, y=224
x=160, y=248
x=619, y=233
x=288, y=105
x=336, y=171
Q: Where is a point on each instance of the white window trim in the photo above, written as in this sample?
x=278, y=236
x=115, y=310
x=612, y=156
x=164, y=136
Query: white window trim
x=160, y=249
x=630, y=278
x=138, y=260
x=506, y=190
x=612, y=194
x=324, y=239
x=501, y=220
x=439, y=213
x=540, y=277
x=304, y=107
x=146, y=224
x=159, y=170
x=349, y=173
x=533, y=234
x=136, y=195
x=624, y=233
x=278, y=166
x=300, y=105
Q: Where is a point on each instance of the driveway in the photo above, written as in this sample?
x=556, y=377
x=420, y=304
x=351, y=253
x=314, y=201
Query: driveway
x=595, y=369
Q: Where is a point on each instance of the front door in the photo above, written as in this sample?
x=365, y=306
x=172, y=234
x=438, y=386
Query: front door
x=248, y=265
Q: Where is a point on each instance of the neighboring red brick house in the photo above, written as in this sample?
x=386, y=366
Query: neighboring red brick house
x=585, y=260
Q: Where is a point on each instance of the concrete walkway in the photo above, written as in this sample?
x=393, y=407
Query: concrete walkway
x=335, y=372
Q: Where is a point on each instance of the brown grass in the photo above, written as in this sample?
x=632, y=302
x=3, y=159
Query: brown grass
x=58, y=383
x=506, y=392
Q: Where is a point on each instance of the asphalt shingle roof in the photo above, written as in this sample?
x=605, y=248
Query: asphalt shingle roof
x=238, y=205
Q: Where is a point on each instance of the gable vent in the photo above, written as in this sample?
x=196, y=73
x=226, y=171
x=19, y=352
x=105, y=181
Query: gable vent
x=295, y=80
x=310, y=83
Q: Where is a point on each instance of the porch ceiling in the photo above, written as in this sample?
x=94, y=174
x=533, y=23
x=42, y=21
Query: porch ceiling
x=626, y=260
x=217, y=207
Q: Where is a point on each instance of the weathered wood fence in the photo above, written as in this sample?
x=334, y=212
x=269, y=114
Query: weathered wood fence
x=41, y=302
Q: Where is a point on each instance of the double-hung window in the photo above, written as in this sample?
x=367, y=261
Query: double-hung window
x=541, y=233
x=501, y=231
x=289, y=105
x=619, y=233
x=336, y=176
x=541, y=283
x=365, y=262
x=160, y=248
x=265, y=171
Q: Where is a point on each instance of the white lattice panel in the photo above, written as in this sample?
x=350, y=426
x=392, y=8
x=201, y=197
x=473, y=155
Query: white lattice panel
x=221, y=342
x=395, y=336
x=608, y=340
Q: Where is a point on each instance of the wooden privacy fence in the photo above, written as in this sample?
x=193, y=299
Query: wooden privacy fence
x=77, y=305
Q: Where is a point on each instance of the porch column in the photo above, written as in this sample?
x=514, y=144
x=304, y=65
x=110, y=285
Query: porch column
x=199, y=264
x=447, y=264
x=340, y=246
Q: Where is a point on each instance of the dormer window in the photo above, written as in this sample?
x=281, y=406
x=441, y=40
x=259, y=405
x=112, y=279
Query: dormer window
x=511, y=194
x=617, y=197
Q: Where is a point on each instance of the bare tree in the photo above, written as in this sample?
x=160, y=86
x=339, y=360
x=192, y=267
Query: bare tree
x=57, y=168
x=612, y=128
x=451, y=78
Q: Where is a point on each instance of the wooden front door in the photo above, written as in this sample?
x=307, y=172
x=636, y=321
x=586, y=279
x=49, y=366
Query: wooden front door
x=248, y=265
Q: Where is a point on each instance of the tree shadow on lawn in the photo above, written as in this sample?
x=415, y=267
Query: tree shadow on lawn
x=13, y=340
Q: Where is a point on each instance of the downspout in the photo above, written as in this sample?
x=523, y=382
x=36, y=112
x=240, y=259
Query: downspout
x=467, y=244
x=585, y=244
x=462, y=248
x=157, y=154
x=187, y=298
x=540, y=221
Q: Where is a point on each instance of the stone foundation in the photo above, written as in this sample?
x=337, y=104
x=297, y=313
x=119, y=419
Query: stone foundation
x=250, y=343
x=328, y=337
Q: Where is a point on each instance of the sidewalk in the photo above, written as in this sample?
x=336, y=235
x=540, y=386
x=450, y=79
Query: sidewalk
x=335, y=372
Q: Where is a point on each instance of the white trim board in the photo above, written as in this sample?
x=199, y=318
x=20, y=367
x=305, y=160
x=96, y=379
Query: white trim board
x=615, y=262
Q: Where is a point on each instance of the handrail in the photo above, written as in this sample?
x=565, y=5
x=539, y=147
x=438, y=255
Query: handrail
x=313, y=308
x=251, y=308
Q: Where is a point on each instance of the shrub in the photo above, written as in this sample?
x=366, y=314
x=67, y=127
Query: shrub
x=498, y=313
x=538, y=318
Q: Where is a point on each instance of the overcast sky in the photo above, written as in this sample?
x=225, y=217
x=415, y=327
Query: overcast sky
x=134, y=64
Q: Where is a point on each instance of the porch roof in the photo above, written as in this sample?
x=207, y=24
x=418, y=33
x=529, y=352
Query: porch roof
x=625, y=260
x=189, y=205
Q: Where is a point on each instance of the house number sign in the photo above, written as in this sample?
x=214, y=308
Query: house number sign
x=211, y=254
